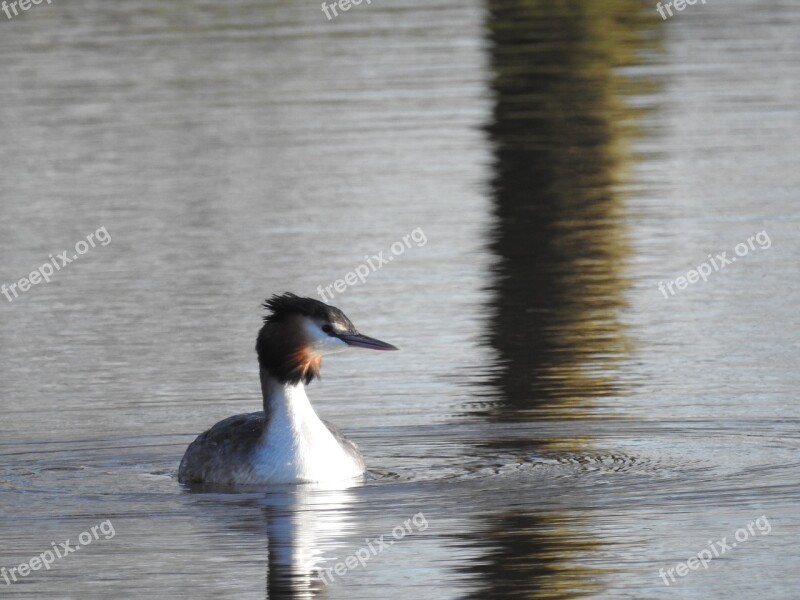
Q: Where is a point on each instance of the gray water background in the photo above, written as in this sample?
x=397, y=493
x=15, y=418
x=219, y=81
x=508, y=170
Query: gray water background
x=564, y=428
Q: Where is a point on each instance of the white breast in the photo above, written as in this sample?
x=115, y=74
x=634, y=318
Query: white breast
x=297, y=446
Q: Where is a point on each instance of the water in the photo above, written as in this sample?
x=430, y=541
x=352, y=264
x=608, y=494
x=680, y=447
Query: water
x=554, y=425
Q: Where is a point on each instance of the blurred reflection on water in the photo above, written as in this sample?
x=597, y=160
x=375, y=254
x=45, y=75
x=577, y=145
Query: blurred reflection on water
x=565, y=430
x=559, y=133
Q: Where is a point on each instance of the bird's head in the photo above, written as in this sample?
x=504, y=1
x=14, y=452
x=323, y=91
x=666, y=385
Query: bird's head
x=298, y=332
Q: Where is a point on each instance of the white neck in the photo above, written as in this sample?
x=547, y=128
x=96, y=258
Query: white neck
x=296, y=446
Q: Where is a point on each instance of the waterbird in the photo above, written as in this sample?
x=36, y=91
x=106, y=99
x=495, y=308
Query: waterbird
x=286, y=442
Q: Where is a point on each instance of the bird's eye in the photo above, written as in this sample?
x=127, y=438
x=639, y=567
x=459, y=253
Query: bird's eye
x=327, y=328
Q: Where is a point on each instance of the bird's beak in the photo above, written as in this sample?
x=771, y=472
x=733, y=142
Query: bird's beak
x=364, y=341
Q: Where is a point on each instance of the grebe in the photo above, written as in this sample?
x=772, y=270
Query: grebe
x=287, y=442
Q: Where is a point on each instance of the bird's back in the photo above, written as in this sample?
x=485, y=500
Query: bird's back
x=222, y=454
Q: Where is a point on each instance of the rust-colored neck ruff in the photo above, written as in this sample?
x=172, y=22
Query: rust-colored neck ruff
x=285, y=352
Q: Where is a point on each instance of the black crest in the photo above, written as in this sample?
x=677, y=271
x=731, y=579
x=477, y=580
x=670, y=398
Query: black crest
x=290, y=304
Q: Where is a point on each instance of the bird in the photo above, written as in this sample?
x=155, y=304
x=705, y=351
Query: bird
x=286, y=443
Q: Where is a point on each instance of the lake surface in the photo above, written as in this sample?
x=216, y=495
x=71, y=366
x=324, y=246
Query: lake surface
x=556, y=425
